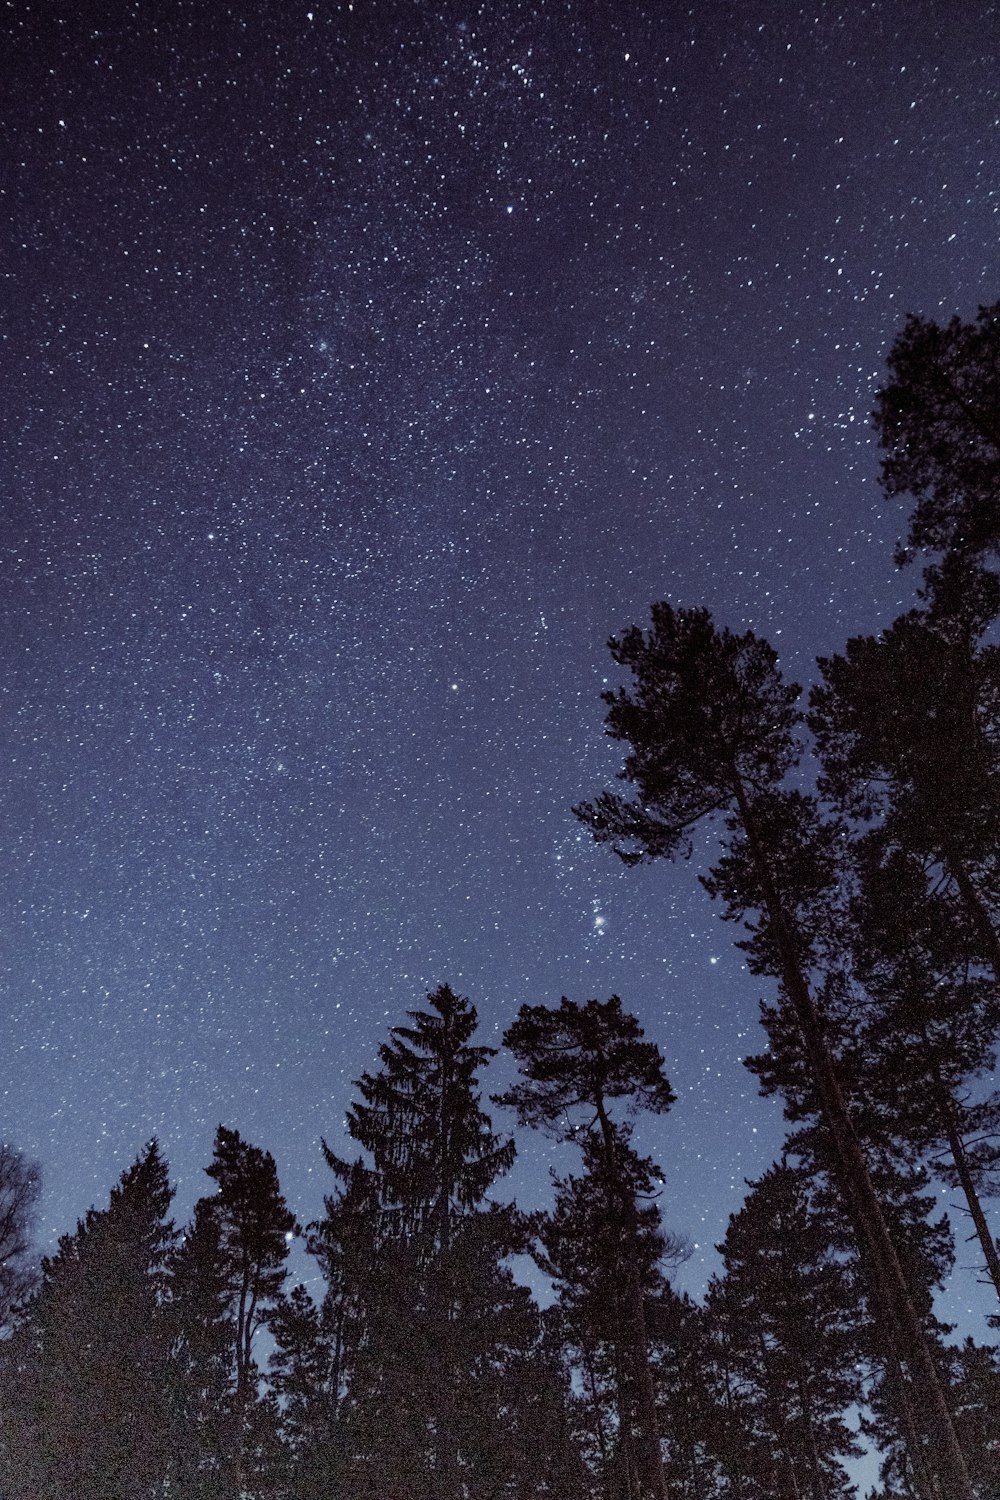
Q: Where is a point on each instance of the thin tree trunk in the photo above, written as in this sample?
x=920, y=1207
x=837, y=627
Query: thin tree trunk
x=919, y=1478
x=241, y=1396
x=811, y=1449
x=809, y=1443
x=626, y=1456
x=818, y=1484
x=890, y=1289
x=590, y=1382
x=958, y=1155
x=792, y=1491
x=976, y=910
x=960, y=1160
x=650, y=1456
x=446, y=1446
x=737, y=1479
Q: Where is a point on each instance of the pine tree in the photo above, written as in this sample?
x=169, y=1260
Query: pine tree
x=429, y=1324
x=580, y=1058
x=705, y=1449
x=922, y=1244
x=304, y=1377
x=252, y=1227
x=586, y=1251
x=711, y=728
x=434, y=1152
x=202, y=1334
x=352, y=1253
x=976, y=1380
x=905, y=728
x=85, y=1374
x=927, y=1039
x=938, y=418
x=789, y=1308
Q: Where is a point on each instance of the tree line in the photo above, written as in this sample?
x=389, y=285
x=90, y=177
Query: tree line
x=151, y=1360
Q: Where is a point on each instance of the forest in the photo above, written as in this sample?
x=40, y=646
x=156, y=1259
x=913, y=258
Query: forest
x=858, y=853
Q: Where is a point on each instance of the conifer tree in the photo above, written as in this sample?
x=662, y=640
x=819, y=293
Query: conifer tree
x=976, y=1380
x=906, y=727
x=938, y=418
x=585, y=1250
x=252, y=1230
x=578, y=1059
x=85, y=1375
x=711, y=729
x=352, y=1252
x=201, y=1379
x=432, y=1146
x=923, y=1245
x=911, y=715
x=706, y=1449
x=789, y=1307
x=20, y=1185
x=927, y=1038
x=302, y=1377
x=432, y=1325
x=905, y=724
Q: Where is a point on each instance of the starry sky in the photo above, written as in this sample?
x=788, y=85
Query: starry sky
x=365, y=367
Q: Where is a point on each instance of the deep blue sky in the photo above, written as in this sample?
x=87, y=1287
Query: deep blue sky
x=365, y=367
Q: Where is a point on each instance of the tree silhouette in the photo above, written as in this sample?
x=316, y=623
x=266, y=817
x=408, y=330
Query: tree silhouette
x=585, y=1249
x=789, y=1308
x=905, y=724
x=20, y=1185
x=201, y=1327
x=926, y=1039
x=938, y=417
x=85, y=1375
x=253, y=1227
x=436, y=1343
x=578, y=1059
x=711, y=729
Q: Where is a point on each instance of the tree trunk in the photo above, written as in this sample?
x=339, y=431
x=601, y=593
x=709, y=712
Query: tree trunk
x=778, y=1423
x=817, y=1483
x=919, y=1478
x=735, y=1480
x=976, y=910
x=629, y=1484
x=958, y=1155
x=650, y=1457
x=600, y=1437
x=809, y=1444
x=448, y=1485
x=891, y=1293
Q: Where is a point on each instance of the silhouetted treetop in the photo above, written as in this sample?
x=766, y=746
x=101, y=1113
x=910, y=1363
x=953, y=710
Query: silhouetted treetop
x=939, y=420
x=707, y=710
x=582, y=1054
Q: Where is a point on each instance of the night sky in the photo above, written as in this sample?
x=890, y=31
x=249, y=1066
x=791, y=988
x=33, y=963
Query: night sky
x=364, y=368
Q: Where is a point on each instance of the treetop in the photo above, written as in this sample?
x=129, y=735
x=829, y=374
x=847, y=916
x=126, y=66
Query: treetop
x=582, y=1055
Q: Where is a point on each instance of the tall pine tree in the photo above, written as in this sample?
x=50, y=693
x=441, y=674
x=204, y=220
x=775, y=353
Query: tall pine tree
x=245, y=1230
x=574, y=1062
x=787, y=1308
x=711, y=729
x=435, y=1326
x=84, y=1378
